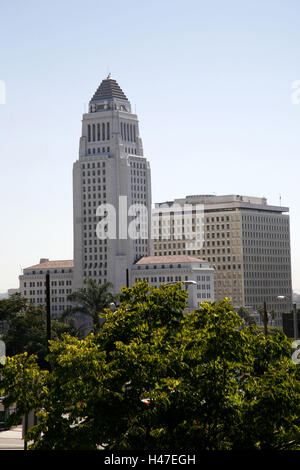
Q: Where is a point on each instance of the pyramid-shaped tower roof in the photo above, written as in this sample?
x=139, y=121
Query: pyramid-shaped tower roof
x=108, y=90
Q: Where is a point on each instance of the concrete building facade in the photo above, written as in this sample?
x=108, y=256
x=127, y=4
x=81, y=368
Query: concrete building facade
x=111, y=181
x=196, y=274
x=33, y=284
x=247, y=242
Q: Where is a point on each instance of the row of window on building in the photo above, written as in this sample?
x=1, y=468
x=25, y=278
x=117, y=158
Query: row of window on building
x=48, y=271
x=95, y=265
x=258, y=292
x=266, y=228
x=43, y=292
x=92, y=165
x=53, y=283
x=131, y=151
x=42, y=301
x=266, y=243
x=89, y=189
x=96, y=274
x=273, y=282
x=98, y=132
x=128, y=132
x=95, y=151
x=267, y=275
x=203, y=278
x=95, y=240
x=162, y=279
x=264, y=219
x=266, y=259
x=137, y=164
x=89, y=173
x=57, y=308
x=266, y=235
x=204, y=295
x=267, y=267
x=101, y=132
x=181, y=243
x=94, y=196
x=203, y=286
x=95, y=204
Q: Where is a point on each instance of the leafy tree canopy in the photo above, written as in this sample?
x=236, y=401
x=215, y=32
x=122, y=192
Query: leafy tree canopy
x=91, y=301
x=27, y=331
x=11, y=307
x=155, y=378
x=245, y=315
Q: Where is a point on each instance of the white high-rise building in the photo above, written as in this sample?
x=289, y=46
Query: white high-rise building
x=110, y=178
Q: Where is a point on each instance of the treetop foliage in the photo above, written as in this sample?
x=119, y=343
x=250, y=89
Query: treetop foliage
x=156, y=378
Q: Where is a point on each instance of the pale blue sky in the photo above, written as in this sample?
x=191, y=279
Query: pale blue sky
x=211, y=82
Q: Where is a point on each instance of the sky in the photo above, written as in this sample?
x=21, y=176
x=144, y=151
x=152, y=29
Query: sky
x=211, y=82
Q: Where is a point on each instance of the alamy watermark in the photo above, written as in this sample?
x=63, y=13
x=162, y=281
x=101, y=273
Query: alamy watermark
x=2, y=92
x=296, y=354
x=295, y=97
x=176, y=222
x=167, y=222
x=2, y=353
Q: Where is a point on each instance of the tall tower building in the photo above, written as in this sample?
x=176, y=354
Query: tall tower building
x=111, y=182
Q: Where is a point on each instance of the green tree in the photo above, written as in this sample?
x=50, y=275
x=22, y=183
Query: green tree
x=154, y=378
x=245, y=315
x=260, y=311
x=91, y=301
x=27, y=331
x=11, y=307
x=273, y=314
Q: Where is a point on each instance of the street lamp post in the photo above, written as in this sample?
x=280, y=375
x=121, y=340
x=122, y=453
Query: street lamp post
x=186, y=283
x=48, y=310
x=295, y=323
x=189, y=283
x=48, y=338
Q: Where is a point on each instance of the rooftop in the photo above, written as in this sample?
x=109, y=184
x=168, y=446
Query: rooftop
x=57, y=264
x=109, y=89
x=230, y=201
x=168, y=259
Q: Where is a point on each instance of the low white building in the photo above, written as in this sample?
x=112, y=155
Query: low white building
x=33, y=283
x=196, y=274
x=12, y=291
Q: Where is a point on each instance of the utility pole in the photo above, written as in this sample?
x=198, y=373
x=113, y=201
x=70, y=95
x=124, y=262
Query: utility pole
x=48, y=311
x=25, y=429
x=295, y=319
x=48, y=338
x=265, y=319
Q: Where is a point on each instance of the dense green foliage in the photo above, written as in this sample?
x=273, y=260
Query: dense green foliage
x=245, y=315
x=11, y=307
x=91, y=301
x=26, y=328
x=154, y=378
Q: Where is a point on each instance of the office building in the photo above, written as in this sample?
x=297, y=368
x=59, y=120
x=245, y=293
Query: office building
x=33, y=284
x=196, y=275
x=111, y=184
x=246, y=240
